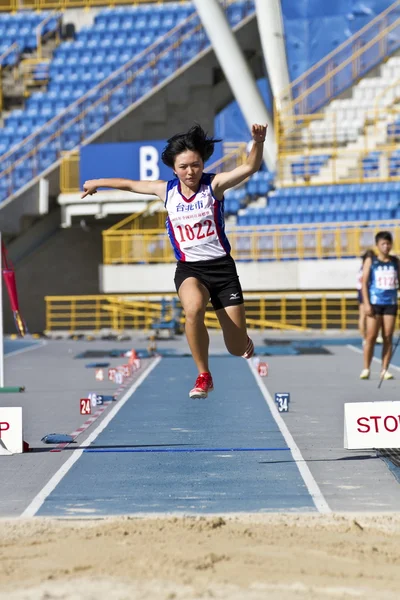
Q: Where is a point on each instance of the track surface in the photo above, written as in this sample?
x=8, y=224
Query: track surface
x=164, y=453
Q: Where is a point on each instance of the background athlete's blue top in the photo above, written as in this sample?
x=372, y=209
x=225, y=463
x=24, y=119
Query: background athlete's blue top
x=383, y=282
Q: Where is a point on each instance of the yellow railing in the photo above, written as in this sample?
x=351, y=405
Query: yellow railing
x=13, y=48
x=140, y=220
x=40, y=36
x=153, y=216
x=288, y=310
x=17, y=5
x=235, y=155
x=69, y=172
x=263, y=243
x=27, y=66
x=99, y=98
x=28, y=70
x=344, y=65
x=303, y=138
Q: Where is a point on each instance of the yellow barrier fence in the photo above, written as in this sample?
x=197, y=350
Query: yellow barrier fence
x=263, y=243
x=297, y=311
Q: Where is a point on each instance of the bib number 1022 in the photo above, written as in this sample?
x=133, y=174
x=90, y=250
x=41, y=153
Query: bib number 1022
x=199, y=231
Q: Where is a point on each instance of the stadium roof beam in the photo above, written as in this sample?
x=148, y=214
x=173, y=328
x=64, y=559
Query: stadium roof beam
x=272, y=35
x=237, y=72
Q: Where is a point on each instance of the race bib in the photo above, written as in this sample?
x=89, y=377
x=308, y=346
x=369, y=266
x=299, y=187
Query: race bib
x=386, y=280
x=195, y=230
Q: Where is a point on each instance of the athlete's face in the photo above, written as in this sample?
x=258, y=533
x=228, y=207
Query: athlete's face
x=384, y=247
x=189, y=167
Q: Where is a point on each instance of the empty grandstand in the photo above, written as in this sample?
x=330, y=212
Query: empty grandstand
x=78, y=83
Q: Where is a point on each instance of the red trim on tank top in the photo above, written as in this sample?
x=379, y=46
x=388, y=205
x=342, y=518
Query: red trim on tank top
x=191, y=197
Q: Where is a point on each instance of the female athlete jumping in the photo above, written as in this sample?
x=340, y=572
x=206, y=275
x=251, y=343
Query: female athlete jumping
x=195, y=225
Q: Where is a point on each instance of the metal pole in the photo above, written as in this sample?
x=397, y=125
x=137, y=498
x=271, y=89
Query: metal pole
x=272, y=36
x=1, y=323
x=237, y=71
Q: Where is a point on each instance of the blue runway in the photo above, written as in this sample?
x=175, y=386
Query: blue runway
x=165, y=453
x=11, y=346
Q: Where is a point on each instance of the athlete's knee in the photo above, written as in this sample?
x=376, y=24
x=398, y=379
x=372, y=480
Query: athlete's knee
x=371, y=338
x=195, y=313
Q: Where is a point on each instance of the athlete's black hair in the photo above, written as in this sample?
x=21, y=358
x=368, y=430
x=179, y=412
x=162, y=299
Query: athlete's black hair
x=196, y=139
x=384, y=235
x=367, y=254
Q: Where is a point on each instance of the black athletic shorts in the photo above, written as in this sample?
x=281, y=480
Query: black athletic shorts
x=384, y=309
x=219, y=276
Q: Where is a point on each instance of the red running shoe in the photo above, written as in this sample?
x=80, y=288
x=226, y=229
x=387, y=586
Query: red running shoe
x=203, y=385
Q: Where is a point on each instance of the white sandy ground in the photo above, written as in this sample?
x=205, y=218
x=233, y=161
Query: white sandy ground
x=254, y=557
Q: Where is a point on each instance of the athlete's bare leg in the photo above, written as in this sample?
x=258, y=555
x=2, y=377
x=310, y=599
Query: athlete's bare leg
x=194, y=297
x=373, y=326
x=388, y=325
x=361, y=320
x=233, y=322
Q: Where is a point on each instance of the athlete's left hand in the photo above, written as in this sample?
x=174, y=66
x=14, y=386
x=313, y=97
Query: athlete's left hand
x=259, y=133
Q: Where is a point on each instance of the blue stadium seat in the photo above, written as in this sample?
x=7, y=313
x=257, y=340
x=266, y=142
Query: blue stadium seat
x=114, y=39
x=236, y=13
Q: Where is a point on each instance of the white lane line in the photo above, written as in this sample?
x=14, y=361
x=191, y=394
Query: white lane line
x=39, y=499
x=33, y=346
x=378, y=360
x=312, y=486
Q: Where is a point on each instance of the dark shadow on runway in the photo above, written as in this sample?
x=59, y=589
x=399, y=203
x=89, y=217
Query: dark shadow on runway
x=94, y=447
x=311, y=460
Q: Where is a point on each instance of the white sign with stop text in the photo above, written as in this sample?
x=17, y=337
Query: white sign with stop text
x=371, y=425
x=11, y=437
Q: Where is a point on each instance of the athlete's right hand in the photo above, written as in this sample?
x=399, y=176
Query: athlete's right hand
x=369, y=311
x=90, y=187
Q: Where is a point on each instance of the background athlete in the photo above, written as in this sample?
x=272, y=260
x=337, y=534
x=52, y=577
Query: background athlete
x=195, y=225
x=379, y=290
x=362, y=318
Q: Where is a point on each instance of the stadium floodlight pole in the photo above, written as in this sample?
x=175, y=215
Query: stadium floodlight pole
x=237, y=72
x=272, y=36
x=1, y=323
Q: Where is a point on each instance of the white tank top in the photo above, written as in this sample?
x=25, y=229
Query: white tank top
x=195, y=225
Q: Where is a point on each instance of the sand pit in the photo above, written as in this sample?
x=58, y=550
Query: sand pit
x=279, y=557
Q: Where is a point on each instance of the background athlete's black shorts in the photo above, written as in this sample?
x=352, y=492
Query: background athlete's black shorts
x=384, y=309
x=219, y=276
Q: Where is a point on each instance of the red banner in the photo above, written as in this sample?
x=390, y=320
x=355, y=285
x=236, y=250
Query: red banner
x=11, y=285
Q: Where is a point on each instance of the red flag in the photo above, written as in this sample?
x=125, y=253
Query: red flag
x=11, y=285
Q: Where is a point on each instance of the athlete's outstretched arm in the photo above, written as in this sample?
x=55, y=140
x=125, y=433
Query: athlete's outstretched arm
x=224, y=181
x=158, y=188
